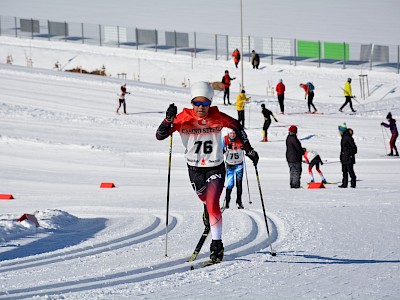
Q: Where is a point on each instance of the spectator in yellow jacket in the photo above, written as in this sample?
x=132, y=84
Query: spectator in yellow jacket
x=240, y=102
x=348, y=95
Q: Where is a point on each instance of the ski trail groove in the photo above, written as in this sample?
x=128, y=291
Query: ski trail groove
x=154, y=230
x=253, y=242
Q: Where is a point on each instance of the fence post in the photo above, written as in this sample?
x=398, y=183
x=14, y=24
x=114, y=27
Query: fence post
x=100, y=34
x=118, y=35
x=16, y=29
x=295, y=53
x=195, y=45
x=83, y=33
x=370, y=57
x=272, y=50
x=137, y=38
x=175, y=41
x=155, y=32
x=398, y=58
x=227, y=47
x=216, y=47
x=32, y=28
x=65, y=31
x=319, y=54
x=48, y=29
x=249, y=51
x=344, y=55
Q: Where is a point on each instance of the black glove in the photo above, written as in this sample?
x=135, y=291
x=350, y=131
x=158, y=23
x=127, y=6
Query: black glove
x=229, y=146
x=129, y=93
x=253, y=155
x=382, y=124
x=275, y=120
x=171, y=112
x=233, y=78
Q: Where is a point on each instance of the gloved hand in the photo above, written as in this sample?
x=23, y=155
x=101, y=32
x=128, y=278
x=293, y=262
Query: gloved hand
x=253, y=155
x=233, y=78
x=275, y=120
x=229, y=146
x=382, y=124
x=171, y=112
x=128, y=93
x=305, y=97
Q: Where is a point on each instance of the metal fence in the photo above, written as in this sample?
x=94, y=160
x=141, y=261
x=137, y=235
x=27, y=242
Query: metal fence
x=219, y=46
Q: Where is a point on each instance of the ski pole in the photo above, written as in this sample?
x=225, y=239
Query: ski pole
x=384, y=142
x=263, y=207
x=168, y=188
x=247, y=179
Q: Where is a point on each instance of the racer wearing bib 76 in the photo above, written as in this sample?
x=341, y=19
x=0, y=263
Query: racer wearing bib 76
x=200, y=129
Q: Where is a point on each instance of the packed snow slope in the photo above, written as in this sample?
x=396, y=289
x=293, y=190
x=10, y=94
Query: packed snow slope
x=60, y=138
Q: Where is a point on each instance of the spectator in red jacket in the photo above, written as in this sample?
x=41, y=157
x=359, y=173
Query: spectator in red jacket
x=226, y=81
x=280, y=91
x=236, y=57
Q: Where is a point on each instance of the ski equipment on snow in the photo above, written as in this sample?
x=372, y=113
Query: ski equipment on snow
x=263, y=207
x=201, y=241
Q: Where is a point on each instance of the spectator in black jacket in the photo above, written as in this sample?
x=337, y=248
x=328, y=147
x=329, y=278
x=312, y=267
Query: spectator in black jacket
x=294, y=153
x=348, y=150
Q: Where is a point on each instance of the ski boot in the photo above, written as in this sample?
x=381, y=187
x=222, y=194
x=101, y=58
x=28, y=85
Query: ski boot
x=239, y=205
x=216, y=251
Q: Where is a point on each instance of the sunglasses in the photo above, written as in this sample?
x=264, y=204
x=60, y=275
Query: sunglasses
x=198, y=103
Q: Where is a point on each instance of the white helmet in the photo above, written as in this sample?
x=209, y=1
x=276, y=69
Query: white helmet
x=201, y=89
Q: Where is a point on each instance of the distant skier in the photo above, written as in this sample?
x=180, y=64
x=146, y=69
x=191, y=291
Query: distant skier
x=393, y=129
x=234, y=156
x=267, y=121
x=348, y=150
x=294, y=153
x=226, y=81
x=121, y=98
x=312, y=158
x=280, y=91
x=309, y=95
x=236, y=57
x=200, y=128
x=348, y=95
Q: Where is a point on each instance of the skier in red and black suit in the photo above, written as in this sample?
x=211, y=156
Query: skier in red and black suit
x=309, y=95
x=201, y=133
x=121, y=98
x=393, y=129
x=226, y=80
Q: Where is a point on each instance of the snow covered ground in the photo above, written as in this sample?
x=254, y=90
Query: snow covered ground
x=60, y=138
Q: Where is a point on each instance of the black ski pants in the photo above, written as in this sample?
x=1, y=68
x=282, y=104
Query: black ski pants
x=348, y=169
x=281, y=98
x=348, y=101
